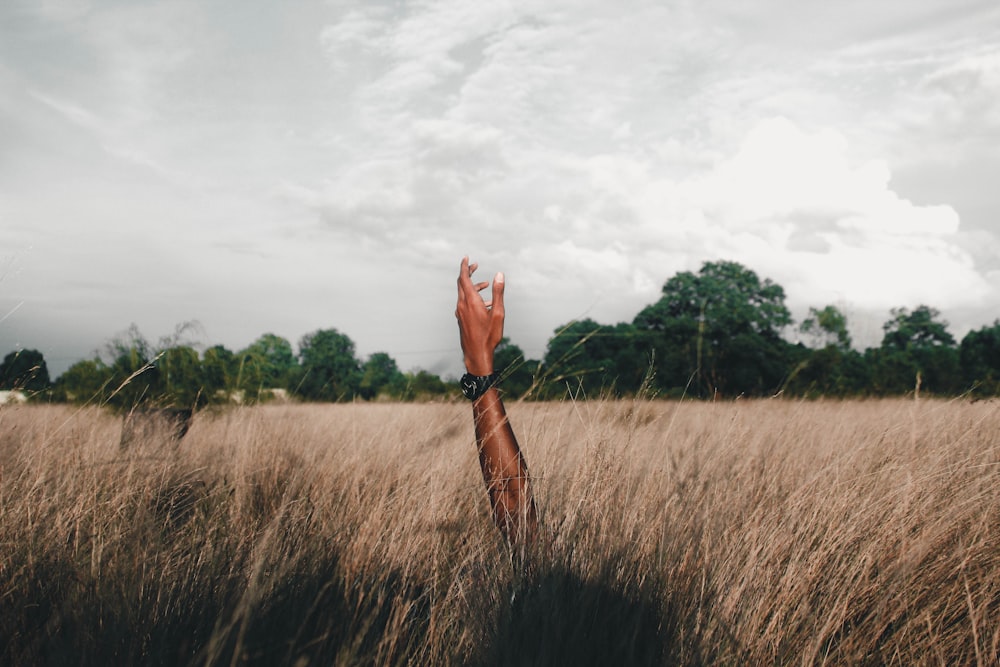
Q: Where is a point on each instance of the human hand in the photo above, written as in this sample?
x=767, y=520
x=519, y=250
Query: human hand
x=480, y=323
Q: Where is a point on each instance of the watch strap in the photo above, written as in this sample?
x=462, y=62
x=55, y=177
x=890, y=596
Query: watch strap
x=474, y=386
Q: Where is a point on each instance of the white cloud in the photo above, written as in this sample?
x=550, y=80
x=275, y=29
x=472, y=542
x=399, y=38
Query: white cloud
x=59, y=10
x=590, y=150
x=70, y=110
x=545, y=140
x=359, y=30
x=871, y=247
x=967, y=90
x=782, y=173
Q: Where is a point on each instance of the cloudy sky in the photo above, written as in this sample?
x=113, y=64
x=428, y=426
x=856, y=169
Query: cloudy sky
x=288, y=166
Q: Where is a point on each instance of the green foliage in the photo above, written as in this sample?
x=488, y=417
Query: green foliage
x=917, y=330
x=717, y=332
x=979, y=357
x=24, y=370
x=381, y=375
x=827, y=327
x=830, y=371
x=180, y=373
x=726, y=296
x=917, y=352
x=85, y=382
x=516, y=373
x=136, y=373
x=219, y=368
x=329, y=369
x=424, y=385
x=268, y=363
x=595, y=359
x=134, y=377
x=720, y=327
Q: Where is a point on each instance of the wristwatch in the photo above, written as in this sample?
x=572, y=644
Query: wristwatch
x=474, y=386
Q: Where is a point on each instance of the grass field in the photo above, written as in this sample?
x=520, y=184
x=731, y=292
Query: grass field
x=749, y=532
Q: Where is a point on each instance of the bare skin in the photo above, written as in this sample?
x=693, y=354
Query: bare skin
x=480, y=325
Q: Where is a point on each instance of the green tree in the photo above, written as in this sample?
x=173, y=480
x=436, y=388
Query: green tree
x=572, y=361
x=829, y=367
x=516, y=372
x=595, y=359
x=916, y=350
x=722, y=327
x=167, y=374
x=979, y=356
x=919, y=329
x=134, y=377
x=379, y=375
x=827, y=327
x=330, y=371
x=181, y=379
x=219, y=368
x=830, y=371
x=267, y=363
x=424, y=385
x=85, y=381
x=24, y=370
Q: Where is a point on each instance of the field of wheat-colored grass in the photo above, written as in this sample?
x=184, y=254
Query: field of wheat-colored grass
x=749, y=532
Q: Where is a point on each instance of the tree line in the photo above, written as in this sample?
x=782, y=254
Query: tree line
x=723, y=331
x=720, y=332
x=132, y=371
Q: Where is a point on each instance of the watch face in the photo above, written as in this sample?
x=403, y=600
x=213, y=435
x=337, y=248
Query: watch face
x=469, y=385
x=474, y=386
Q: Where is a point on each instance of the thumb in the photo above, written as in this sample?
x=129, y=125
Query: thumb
x=498, y=287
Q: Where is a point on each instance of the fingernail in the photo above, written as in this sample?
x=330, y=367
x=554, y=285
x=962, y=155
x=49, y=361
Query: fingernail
x=499, y=277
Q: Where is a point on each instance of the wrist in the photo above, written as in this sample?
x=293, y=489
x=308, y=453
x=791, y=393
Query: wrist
x=479, y=367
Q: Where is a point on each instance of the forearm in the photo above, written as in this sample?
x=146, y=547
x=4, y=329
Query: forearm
x=504, y=469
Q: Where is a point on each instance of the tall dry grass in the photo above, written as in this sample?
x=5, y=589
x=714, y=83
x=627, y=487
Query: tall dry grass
x=770, y=532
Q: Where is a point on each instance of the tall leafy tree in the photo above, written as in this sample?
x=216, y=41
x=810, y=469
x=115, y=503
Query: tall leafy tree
x=24, y=370
x=827, y=327
x=218, y=369
x=516, y=372
x=721, y=326
x=181, y=379
x=979, y=355
x=134, y=377
x=330, y=371
x=567, y=357
x=380, y=374
x=85, y=381
x=919, y=329
x=917, y=351
x=830, y=371
x=829, y=367
x=267, y=363
x=595, y=358
x=167, y=374
x=424, y=385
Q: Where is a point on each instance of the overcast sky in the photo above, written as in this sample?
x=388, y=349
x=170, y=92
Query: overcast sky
x=289, y=166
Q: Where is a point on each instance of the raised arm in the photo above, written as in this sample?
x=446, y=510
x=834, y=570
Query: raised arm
x=505, y=472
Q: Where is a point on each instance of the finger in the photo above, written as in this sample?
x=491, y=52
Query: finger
x=479, y=287
x=498, y=287
x=467, y=268
x=465, y=286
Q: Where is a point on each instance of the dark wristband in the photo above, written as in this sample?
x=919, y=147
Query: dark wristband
x=474, y=386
